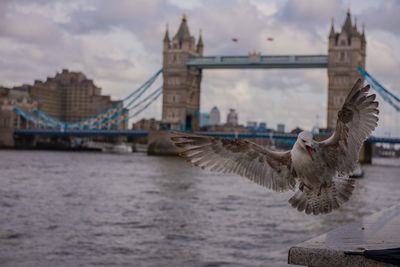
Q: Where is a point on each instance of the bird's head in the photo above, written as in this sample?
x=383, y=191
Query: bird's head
x=306, y=141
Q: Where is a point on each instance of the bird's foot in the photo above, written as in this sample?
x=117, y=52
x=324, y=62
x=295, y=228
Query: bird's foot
x=324, y=184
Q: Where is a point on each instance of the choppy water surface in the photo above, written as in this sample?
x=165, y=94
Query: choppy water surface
x=88, y=209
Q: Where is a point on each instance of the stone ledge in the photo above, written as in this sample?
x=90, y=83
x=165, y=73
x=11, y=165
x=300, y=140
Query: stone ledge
x=376, y=232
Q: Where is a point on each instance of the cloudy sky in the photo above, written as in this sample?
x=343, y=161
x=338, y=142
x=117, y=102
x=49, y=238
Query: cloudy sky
x=118, y=44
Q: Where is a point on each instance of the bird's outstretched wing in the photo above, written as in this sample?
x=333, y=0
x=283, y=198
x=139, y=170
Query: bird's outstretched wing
x=268, y=168
x=356, y=120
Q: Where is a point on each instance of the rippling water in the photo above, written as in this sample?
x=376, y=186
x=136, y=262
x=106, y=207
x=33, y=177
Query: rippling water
x=93, y=209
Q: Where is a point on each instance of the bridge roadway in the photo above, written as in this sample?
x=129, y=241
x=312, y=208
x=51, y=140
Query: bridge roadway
x=256, y=61
x=136, y=133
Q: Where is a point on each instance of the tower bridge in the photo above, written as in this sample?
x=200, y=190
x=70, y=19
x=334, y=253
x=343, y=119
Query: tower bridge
x=183, y=63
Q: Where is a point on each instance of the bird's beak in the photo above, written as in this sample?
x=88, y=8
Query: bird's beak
x=310, y=150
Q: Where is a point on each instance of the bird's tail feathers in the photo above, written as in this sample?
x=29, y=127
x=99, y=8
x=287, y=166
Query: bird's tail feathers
x=316, y=201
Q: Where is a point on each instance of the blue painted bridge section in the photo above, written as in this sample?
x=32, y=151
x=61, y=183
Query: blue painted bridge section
x=291, y=138
x=256, y=61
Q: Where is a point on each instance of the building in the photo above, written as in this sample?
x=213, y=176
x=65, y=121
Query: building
x=181, y=88
x=251, y=125
x=67, y=97
x=147, y=125
x=346, y=51
x=262, y=126
x=232, y=118
x=70, y=97
x=296, y=130
x=215, y=116
x=280, y=128
x=204, y=119
x=9, y=120
x=3, y=92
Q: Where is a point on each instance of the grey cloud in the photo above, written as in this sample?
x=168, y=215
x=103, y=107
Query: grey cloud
x=309, y=13
x=30, y=28
x=3, y=7
x=143, y=18
x=383, y=17
x=220, y=25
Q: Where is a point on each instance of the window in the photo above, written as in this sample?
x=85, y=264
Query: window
x=173, y=98
x=340, y=80
x=173, y=81
x=342, y=56
x=338, y=100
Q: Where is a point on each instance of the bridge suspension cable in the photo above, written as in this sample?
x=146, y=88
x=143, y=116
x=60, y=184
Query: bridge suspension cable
x=48, y=120
x=388, y=96
x=101, y=118
x=148, y=104
x=146, y=98
x=26, y=115
x=149, y=99
x=122, y=112
x=151, y=80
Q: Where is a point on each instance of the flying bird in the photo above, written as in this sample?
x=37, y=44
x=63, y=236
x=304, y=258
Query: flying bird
x=317, y=171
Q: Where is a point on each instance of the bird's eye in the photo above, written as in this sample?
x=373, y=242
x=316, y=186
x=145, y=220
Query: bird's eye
x=303, y=140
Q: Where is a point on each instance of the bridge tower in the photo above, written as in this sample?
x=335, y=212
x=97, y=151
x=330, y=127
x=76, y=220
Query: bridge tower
x=346, y=51
x=181, y=85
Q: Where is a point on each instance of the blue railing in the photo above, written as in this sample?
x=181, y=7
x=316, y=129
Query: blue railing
x=388, y=96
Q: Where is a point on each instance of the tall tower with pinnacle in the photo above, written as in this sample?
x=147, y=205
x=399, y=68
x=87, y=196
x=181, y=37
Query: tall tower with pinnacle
x=181, y=84
x=346, y=51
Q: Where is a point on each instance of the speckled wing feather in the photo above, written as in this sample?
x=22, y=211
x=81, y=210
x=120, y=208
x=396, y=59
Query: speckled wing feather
x=357, y=118
x=324, y=200
x=268, y=168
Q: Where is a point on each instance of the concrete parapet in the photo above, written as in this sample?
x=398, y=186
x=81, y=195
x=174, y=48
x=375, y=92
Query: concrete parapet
x=352, y=244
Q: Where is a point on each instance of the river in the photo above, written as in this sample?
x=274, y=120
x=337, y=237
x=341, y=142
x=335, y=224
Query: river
x=95, y=209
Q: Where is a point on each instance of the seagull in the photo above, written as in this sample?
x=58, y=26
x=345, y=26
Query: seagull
x=318, y=172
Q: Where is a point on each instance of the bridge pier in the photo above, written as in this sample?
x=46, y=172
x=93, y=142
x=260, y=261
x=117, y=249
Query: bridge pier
x=159, y=144
x=366, y=153
x=24, y=142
